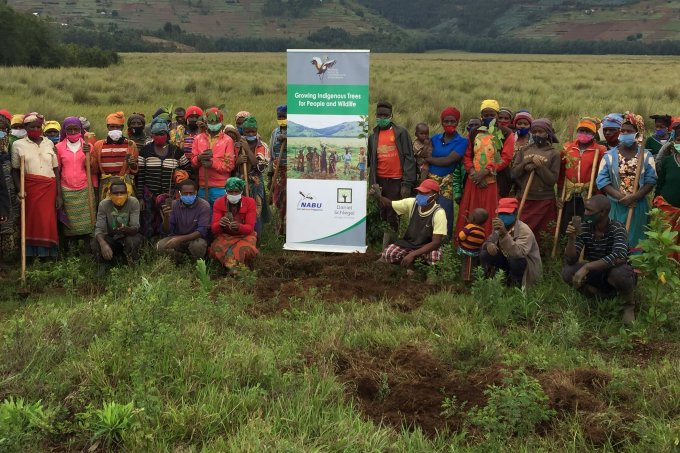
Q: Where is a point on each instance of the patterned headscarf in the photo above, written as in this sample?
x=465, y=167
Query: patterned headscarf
x=159, y=125
x=194, y=110
x=34, y=117
x=70, y=121
x=235, y=184
x=249, y=122
x=242, y=114
x=523, y=115
x=612, y=121
x=635, y=120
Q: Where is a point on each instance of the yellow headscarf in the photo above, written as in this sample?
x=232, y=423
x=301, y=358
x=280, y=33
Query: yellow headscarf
x=490, y=104
x=18, y=119
x=49, y=125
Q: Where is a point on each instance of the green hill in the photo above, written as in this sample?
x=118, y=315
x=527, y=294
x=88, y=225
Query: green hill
x=648, y=20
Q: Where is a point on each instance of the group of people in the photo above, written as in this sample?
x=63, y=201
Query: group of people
x=193, y=186
x=518, y=192
x=184, y=182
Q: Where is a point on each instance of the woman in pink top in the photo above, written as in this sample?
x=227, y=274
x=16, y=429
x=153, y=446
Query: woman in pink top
x=213, y=155
x=71, y=158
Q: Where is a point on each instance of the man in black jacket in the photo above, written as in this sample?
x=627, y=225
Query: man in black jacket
x=391, y=164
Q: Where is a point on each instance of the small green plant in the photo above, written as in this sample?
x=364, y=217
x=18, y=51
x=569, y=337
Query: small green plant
x=384, y=387
x=110, y=423
x=64, y=273
x=514, y=408
x=22, y=424
x=203, y=276
x=488, y=291
x=451, y=406
x=447, y=269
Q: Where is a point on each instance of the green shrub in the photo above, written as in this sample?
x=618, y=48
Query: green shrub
x=110, y=424
x=515, y=408
x=447, y=269
x=22, y=425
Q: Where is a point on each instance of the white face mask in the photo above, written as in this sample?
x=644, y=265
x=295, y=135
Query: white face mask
x=115, y=135
x=233, y=199
x=19, y=133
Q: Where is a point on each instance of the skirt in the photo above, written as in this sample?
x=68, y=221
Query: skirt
x=77, y=210
x=233, y=251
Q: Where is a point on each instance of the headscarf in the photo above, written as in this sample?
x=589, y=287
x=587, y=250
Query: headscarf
x=612, y=121
x=507, y=110
x=634, y=119
x=249, y=122
x=665, y=119
x=17, y=119
x=282, y=109
x=490, y=104
x=6, y=114
x=212, y=112
x=34, y=117
x=51, y=124
x=235, y=184
x=523, y=115
x=137, y=116
x=450, y=111
x=70, y=121
x=159, y=125
x=84, y=122
x=587, y=123
x=242, y=114
x=194, y=110
x=117, y=118
x=595, y=120
x=546, y=125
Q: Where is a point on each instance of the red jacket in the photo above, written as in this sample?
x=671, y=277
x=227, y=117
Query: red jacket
x=245, y=216
x=223, y=158
x=578, y=167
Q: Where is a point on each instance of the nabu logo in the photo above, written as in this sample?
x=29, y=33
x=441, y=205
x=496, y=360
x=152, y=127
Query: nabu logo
x=307, y=203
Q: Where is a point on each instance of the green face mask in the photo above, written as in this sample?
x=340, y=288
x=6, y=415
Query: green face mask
x=383, y=123
x=215, y=127
x=677, y=147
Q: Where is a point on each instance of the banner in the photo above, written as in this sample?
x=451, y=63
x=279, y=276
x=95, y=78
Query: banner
x=326, y=150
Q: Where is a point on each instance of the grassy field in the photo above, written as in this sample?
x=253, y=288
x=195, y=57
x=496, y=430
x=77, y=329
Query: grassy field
x=313, y=352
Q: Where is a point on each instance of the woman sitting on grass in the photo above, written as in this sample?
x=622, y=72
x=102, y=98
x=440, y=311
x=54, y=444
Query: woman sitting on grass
x=233, y=225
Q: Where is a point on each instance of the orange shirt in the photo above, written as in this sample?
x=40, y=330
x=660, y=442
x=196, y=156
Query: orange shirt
x=389, y=164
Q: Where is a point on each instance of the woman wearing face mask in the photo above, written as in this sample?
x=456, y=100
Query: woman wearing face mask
x=577, y=162
x=616, y=177
x=183, y=136
x=52, y=131
x=135, y=128
x=611, y=128
x=540, y=157
x=448, y=149
x=17, y=129
x=662, y=127
x=115, y=156
x=8, y=210
x=71, y=156
x=488, y=154
x=42, y=187
x=158, y=161
x=213, y=156
x=233, y=226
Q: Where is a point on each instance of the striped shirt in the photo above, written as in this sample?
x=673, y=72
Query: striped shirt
x=155, y=173
x=471, y=238
x=112, y=156
x=611, y=248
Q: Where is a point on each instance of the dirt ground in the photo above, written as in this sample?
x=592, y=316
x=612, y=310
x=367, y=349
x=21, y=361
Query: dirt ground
x=335, y=278
x=407, y=386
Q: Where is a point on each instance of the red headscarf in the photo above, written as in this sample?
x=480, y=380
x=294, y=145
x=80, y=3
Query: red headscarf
x=194, y=110
x=450, y=111
x=214, y=111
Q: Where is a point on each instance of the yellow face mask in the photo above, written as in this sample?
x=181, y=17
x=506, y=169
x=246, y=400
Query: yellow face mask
x=282, y=123
x=119, y=200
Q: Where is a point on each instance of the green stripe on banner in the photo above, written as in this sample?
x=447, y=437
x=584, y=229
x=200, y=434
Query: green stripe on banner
x=339, y=232
x=328, y=99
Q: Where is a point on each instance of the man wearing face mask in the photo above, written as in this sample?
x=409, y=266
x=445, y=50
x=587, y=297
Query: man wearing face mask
x=233, y=227
x=52, y=131
x=135, y=128
x=426, y=226
x=279, y=156
x=116, y=233
x=512, y=247
x=540, y=157
x=213, y=156
x=115, y=156
x=576, y=168
x=187, y=222
x=392, y=165
x=183, y=136
x=606, y=271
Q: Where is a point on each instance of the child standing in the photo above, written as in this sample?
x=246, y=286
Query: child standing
x=470, y=240
x=422, y=149
x=362, y=164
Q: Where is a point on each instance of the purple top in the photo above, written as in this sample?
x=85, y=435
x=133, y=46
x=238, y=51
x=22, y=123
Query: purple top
x=187, y=219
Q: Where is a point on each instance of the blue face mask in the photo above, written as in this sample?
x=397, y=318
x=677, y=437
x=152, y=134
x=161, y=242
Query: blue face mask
x=3, y=134
x=487, y=121
x=661, y=132
x=507, y=219
x=627, y=140
x=54, y=140
x=251, y=138
x=188, y=199
x=522, y=131
x=240, y=130
x=422, y=199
